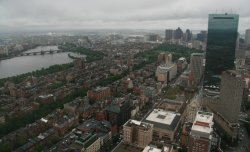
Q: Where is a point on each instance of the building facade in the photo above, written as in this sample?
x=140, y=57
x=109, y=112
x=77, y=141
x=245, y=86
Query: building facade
x=191, y=110
x=165, y=73
x=100, y=93
x=201, y=133
x=247, y=38
x=231, y=95
x=118, y=112
x=169, y=34
x=227, y=108
x=137, y=133
x=166, y=124
x=221, y=45
x=196, y=68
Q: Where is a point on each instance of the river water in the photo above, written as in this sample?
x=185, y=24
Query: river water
x=24, y=64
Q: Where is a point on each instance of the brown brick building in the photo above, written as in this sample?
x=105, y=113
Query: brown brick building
x=99, y=93
x=201, y=133
x=137, y=133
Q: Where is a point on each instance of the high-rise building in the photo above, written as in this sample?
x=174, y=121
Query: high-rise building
x=152, y=37
x=196, y=68
x=227, y=108
x=247, y=38
x=202, y=36
x=221, y=45
x=231, y=95
x=201, y=133
x=178, y=34
x=188, y=35
x=137, y=133
x=169, y=34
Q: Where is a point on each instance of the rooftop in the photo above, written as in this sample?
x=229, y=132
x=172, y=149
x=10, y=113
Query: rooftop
x=166, y=67
x=152, y=148
x=163, y=119
x=127, y=148
x=204, y=116
x=92, y=125
x=46, y=96
x=182, y=58
x=202, y=124
x=197, y=54
x=140, y=124
x=100, y=88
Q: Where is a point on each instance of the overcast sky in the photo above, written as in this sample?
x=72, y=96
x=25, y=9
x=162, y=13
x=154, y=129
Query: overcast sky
x=118, y=14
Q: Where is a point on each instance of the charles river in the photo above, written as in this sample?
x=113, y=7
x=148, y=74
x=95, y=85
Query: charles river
x=24, y=64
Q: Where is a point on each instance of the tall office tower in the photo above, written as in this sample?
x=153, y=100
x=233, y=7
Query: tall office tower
x=196, y=68
x=231, y=95
x=188, y=35
x=221, y=45
x=151, y=37
x=202, y=36
x=247, y=38
x=201, y=133
x=227, y=108
x=137, y=133
x=169, y=34
x=178, y=34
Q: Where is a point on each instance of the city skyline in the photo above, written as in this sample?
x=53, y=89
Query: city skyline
x=26, y=15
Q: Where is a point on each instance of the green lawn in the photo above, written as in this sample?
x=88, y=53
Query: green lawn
x=171, y=92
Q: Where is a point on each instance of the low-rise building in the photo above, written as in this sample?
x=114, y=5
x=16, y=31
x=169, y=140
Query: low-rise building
x=166, y=124
x=152, y=148
x=100, y=93
x=165, y=73
x=137, y=133
x=119, y=112
x=201, y=133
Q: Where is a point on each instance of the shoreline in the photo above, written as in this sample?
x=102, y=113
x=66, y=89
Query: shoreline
x=16, y=55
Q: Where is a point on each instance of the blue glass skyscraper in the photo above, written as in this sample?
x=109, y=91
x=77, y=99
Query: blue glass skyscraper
x=221, y=45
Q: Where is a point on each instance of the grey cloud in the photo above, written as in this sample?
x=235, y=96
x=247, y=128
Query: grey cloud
x=158, y=14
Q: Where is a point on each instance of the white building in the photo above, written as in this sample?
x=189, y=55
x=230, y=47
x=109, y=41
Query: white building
x=152, y=148
x=201, y=132
x=165, y=123
x=166, y=73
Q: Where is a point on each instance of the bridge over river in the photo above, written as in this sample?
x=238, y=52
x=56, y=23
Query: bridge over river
x=42, y=52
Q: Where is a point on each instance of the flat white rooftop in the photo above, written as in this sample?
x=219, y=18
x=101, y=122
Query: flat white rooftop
x=201, y=129
x=161, y=116
x=151, y=149
x=203, y=123
x=166, y=67
x=154, y=149
x=204, y=117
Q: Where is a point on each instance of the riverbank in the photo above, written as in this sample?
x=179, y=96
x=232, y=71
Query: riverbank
x=91, y=56
x=44, y=71
x=5, y=57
